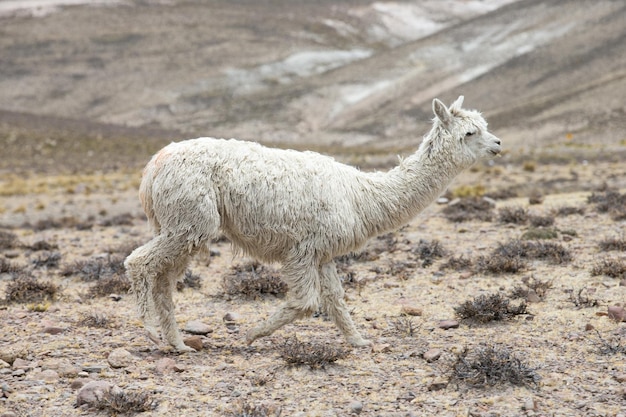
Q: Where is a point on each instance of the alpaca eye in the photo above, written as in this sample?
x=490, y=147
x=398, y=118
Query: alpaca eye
x=470, y=133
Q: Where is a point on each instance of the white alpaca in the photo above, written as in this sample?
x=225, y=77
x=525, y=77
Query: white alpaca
x=301, y=209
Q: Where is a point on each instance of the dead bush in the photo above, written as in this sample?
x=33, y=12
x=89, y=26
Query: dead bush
x=95, y=319
x=252, y=279
x=125, y=219
x=540, y=221
x=468, y=209
x=513, y=215
x=569, y=211
x=404, y=326
x=315, y=355
x=371, y=252
x=245, y=409
x=539, y=234
x=427, y=251
x=47, y=260
x=457, y=263
x=613, y=244
x=94, y=269
x=489, y=365
x=117, y=401
x=27, y=289
x=10, y=267
x=581, y=300
x=190, y=280
x=614, y=268
x=610, y=347
x=42, y=245
x=500, y=263
x=548, y=251
x=533, y=289
x=114, y=284
x=8, y=240
x=68, y=222
x=486, y=308
x=611, y=202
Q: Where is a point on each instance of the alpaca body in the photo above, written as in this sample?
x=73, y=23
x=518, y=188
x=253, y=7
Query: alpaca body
x=301, y=209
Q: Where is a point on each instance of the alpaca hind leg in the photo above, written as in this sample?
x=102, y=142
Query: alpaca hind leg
x=335, y=306
x=303, y=301
x=142, y=271
x=164, y=303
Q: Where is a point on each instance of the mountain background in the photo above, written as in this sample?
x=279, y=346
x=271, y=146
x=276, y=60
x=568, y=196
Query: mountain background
x=102, y=85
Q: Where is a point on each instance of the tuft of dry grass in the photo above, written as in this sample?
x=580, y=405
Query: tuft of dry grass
x=125, y=219
x=427, y=251
x=315, y=355
x=554, y=253
x=539, y=233
x=10, y=267
x=94, y=269
x=532, y=288
x=405, y=326
x=47, y=260
x=613, y=244
x=114, y=284
x=614, y=268
x=190, y=280
x=513, y=215
x=489, y=365
x=27, y=289
x=581, y=300
x=499, y=263
x=468, y=209
x=117, y=401
x=486, y=308
x=457, y=263
x=611, y=202
x=569, y=211
x=252, y=279
x=95, y=319
x=42, y=245
x=541, y=221
x=8, y=240
x=245, y=409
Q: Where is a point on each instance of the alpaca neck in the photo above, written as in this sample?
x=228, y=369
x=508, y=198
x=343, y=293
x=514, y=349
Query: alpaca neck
x=400, y=194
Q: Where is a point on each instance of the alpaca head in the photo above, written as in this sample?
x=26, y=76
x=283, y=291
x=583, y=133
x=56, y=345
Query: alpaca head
x=464, y=131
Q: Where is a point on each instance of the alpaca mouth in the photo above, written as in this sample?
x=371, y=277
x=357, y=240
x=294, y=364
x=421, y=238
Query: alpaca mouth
x=494, y=151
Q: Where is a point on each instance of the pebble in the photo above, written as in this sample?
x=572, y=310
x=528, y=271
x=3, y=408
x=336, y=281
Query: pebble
x=20, y=363
x=78, y=383
x=356, y=407
x=4, y=364
x=432, y=355
x=165, y=365
x=437, y=384
x=529, y=405
x=617, y=313
x=49, y=375
x=94, y=368
x=448, y=324
x=120, y=358
x=443, y=200
x=194, y=342
x=231, y=317
x=197, y=327
x=52, y=330
x=410, y=310
x=92, y=392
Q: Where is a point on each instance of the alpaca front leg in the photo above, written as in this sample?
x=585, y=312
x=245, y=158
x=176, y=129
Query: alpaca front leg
x=335, y=306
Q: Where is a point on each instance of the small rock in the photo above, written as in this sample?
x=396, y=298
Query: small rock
x=194, y=342
x=78, y=383
x=448, y=324
x=49, y=375
x=529, y=405
x=620, y=378
x=432, y=355
x=53, y=330
x=381, y=348
x=120, y=358
x=622, y=283
x=20, y=363
x=617, y=313
x=410, y=310
x=8, y=414
x=4, y=364
x=197, y=327
x=589, y=327
x=165, y=365
x=437, y=384
x=231, y=317
x=94, y=368
x=356, y=407
x=443, y=200
x=532, y=297
x=93, y=392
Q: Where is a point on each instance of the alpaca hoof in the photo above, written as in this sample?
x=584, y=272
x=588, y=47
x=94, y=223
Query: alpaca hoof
x=184, y=348
x=360, y=342
x=153, y=335
x=251, y=336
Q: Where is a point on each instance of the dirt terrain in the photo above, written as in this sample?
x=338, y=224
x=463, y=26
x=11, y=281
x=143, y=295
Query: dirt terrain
x=89, y=92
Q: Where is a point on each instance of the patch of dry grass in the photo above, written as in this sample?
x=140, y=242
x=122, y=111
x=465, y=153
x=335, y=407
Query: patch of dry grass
x=315, y=355
x=252, y=279
x=27, y=289
x=611, y=267
x=486, y=308
x=468, y=209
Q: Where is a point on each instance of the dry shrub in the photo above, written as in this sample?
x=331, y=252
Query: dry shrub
x=613, y=244
x=549, y=251
x=117, y=401
x=10, y=267
x=68, y=222
x=531, y=287
x=581, y=300
x=252, y=279
x=457, y=263
x=429, y=251
x=610, y=347
x=47, y=260
x=502, y=194
x=611, y=202
x=125, y=219
x=569, y=210
x=27, y=289
x=490, y=365
x=501, y=263
x=114, y=284
x=190, y=280
x=540, y=221
x=245, y=409
x=405, y=326
x=467, y=209
x=95, y=319
x=513, y=215
x=94, y=269
x=373, y=250
x=315, y=355
x=42, y=245
x=614, y=268
x=8, y=240
x=539, y=234
x=486, y=308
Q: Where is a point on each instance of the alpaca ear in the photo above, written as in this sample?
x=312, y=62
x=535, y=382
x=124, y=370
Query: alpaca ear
x=458, y=103
x=442, y=112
